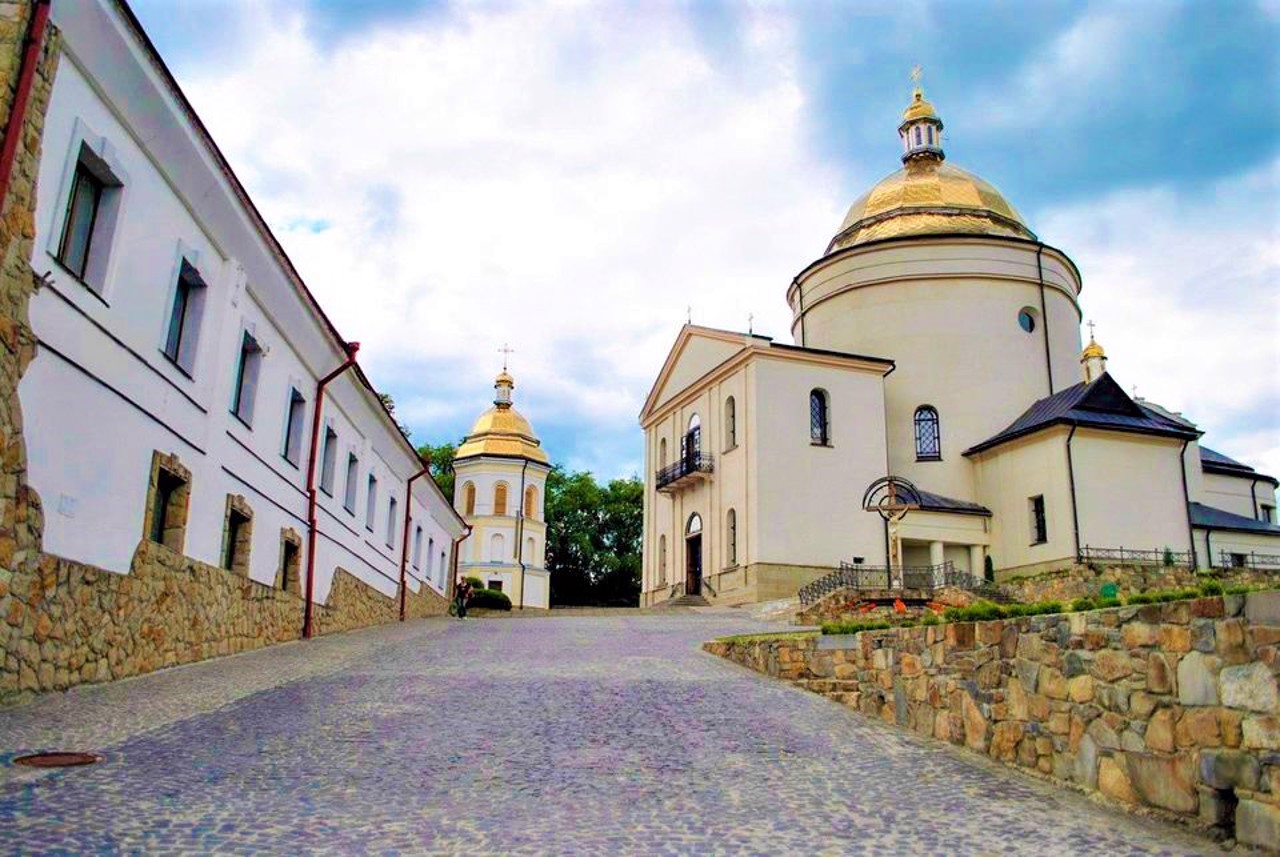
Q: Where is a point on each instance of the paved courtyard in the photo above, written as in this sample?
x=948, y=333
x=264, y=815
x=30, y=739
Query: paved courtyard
x=569, y=735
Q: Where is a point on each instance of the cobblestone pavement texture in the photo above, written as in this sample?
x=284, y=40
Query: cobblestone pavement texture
x=571, y=735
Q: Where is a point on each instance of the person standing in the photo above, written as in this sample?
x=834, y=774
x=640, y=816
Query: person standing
x=461, y=594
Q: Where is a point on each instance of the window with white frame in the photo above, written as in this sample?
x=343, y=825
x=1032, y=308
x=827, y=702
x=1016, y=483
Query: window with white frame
x=417, y=548
x=371, y=503
x=247, y=368
x=94, y=193
x=349, y=492
x=1039, y=525
x=392, y=505
x=183, y=333
x=431, y=547
x=294, y=427
x=328, y=460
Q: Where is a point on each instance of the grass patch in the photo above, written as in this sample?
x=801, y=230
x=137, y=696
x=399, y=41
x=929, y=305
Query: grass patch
x=760, y=638
x=853, y=627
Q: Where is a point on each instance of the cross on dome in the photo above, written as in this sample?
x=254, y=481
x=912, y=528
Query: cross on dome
x=921, y=129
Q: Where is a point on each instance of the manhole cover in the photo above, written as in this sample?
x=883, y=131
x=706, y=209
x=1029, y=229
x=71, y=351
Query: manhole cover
x=57, y=760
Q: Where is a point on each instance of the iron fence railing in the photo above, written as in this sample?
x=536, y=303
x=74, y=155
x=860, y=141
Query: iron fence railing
x=687, y=465
x=1134, y=556
x=1252, y=559
x=878, y=577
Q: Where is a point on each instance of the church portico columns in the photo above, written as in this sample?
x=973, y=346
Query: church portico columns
x=977, y=560
x=937, y=555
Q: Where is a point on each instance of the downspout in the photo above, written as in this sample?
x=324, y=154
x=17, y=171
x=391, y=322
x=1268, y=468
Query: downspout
x=26, y=79
x=800, y=301
x=352, y=349
x=888, y=471
x=520, y=534
x=1071, y=479
x=1186, y=502
x=1044, y=317
x=1208, y=546
x=452, y=583
x=1253, y=497
x=404, y=538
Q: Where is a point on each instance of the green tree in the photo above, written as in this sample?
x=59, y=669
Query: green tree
x=593, y=539
x=441, y=461
x=390, y=404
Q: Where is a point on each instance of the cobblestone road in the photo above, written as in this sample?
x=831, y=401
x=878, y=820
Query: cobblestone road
x=593, y=735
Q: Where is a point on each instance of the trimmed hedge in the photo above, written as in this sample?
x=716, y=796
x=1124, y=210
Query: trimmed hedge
x=489, y=599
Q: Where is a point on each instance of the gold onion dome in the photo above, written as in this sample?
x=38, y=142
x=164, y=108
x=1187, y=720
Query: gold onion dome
x=1093, y=349
x=928, y=196
x=502, y=430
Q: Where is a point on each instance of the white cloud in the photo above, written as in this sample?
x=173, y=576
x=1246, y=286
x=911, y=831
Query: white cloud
x=567, y=178
x=1182, y=286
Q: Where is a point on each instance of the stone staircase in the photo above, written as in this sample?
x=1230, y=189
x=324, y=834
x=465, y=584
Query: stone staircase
x=684, y=601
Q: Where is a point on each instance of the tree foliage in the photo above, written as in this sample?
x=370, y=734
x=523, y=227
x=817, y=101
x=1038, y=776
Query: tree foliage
x=390, y=404
x=593, y=539
x=441, y=461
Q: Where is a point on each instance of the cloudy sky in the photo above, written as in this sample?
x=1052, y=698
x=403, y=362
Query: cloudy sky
x=573, y=177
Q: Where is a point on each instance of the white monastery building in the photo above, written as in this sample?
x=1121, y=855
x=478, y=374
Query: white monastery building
x=500, y=485
x=187, y=388
x=937, y=342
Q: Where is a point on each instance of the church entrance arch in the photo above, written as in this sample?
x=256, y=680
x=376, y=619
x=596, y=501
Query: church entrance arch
x=693, y=556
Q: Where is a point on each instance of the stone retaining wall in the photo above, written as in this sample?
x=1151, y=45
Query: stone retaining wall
x=845, y=605
x=1082, y=581
x=74, y=623
x=1169, y=706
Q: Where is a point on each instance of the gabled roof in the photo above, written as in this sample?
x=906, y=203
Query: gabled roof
x=1101, y=404
x=1209, y=518
x=1212, y=461
x=930, y=502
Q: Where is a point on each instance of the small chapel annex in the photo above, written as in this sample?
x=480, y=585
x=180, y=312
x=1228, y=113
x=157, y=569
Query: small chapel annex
x=937, y=341
x=500, y=484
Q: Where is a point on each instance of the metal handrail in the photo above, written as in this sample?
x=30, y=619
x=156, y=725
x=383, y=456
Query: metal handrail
x=1252, y=559
x=873, y=577
x=1134, y=556
x=686, y=465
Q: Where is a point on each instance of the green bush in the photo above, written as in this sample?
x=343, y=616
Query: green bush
x=1168, y=557
x=989, y=569
x=978, y=611
x=1244, y=588
x=476, y=583
x=1211, y=587
x=1162, y=596
x=931, y=619
x=1108, y=602
x=853, y=627
x=490, y=599
x=1080, y=605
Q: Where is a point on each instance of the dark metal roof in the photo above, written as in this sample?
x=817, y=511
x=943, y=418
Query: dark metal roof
x=1101, y=404
x=1212, y=456
x=1210, y=518
x=1213, y=461
x=931, y=502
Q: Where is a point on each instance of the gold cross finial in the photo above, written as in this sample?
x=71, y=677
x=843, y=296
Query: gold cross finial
x=751, y=323
x=1091, y=331
x=505, y=351
x=917, y=72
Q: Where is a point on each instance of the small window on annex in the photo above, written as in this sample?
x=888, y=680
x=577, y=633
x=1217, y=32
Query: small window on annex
x=290, y=561
x=417, y=548
x=1267, y=514
x=183, y=333
x=731, y=537
x=1039, y=526
x=928, y=434
x=392, y=505
x=819, y=418
x=730, y=424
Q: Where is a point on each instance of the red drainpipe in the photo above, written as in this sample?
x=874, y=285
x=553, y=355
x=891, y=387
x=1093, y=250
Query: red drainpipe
x=352, y=348
x=404, y=540
x=26, y=78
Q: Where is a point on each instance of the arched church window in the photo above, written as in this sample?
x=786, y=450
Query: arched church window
x=730, y=423
x=662, y=453
x=531, y=502
x=917, y=135
x=497, y=548
x=500, y=498
x=469, y=498
x=691, y=443
x=930, y=135
x=819, y=418
x=731, y=536
x=928, y=435
x=695, y=422
x=695, y=525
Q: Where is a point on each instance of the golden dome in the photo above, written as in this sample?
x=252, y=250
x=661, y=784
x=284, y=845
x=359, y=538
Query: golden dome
x=1093, y=349
x=502, y=430
x=919, y=108
x=929, y=197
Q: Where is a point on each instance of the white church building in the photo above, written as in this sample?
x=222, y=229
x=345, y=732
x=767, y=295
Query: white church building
x=936, y=341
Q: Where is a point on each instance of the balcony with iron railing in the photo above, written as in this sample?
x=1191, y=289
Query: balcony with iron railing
x=689, y=469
